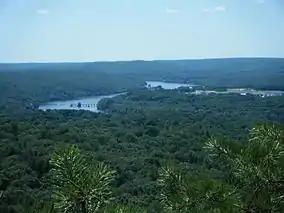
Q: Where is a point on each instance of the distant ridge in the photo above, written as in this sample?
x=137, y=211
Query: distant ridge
x=158, y=60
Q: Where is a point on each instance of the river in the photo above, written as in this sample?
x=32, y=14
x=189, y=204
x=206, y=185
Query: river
x=89, y=103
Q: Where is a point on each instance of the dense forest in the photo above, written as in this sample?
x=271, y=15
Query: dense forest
x=20, y=89
x=259, y=73
x=151, y=150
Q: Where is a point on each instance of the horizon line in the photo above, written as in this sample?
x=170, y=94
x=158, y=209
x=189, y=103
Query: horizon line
x=136, y=60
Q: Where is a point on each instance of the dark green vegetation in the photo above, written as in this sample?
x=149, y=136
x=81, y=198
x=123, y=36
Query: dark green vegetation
x=26, y=84
x=253, y=181
x=143, y=132
x=258, y=73
x=23, y=88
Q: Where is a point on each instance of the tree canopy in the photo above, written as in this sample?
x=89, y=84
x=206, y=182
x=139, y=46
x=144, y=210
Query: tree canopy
x=150, y=150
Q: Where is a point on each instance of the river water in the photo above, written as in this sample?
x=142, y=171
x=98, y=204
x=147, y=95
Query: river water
x=89, y=103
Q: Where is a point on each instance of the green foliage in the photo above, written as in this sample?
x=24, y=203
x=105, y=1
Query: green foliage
x=183, y=192
x=123, y=209
x=214, y=111
x=142, y=131
x=40, y=207
x=22, y=84
x=258, y=185
x=79, y=186
x=29, y=88
x=134, y=143
x=258, y=169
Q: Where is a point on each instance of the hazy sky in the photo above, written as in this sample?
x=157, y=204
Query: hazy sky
x=95, y=30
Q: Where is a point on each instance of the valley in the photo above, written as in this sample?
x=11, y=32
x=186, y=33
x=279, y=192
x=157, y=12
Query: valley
x=148, y=122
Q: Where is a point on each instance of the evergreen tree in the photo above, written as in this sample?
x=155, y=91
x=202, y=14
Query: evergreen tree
x=257, y=168
x=183, y=192
x=257, y=183
x=78, y=185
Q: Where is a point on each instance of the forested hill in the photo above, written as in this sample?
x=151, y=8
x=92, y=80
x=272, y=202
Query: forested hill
x=260, y=73
x=20, y=89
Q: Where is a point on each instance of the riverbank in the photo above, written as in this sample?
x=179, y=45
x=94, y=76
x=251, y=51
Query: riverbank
x=91, y=103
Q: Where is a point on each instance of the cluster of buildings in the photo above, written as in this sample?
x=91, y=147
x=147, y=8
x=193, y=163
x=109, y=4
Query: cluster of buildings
x=241, y=91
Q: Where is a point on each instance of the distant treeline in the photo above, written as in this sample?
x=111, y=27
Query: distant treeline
x=259, y=73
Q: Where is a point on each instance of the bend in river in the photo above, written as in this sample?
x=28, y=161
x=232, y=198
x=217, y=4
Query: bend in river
x=91, y=103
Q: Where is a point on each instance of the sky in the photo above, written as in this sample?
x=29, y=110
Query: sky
x=112, y=30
